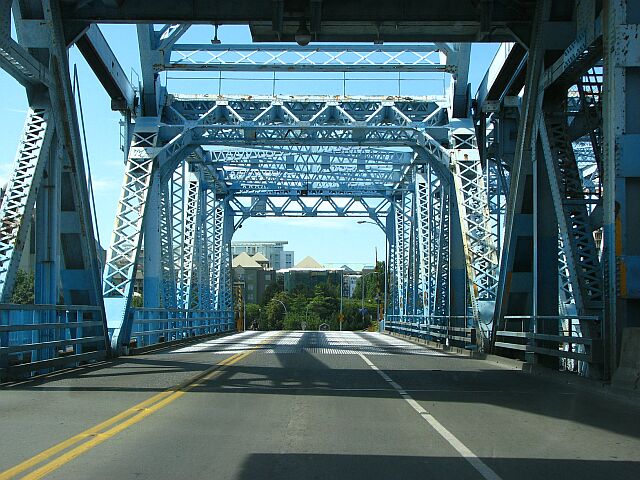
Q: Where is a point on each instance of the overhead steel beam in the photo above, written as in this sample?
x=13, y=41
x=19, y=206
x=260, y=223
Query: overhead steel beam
x=362, y=21
x=105, y=65
x=20, y=64
x=310, y=58
x=505, y=76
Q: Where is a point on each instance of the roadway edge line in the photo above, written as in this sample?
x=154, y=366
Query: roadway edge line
x=97, y=434
x=464, y=451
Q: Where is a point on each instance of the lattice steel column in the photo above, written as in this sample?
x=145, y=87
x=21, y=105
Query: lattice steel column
x=571, y=210
x=19, y=200
x=393, y=303
x=442, y=281
x=424, y=237
x=200, y=292
x=429, y=231
x=127, y=231
x=167, y=249
x=184, y=197
x=479, y=237
x=402, y=210
x=187, y=246
x=123, y=258
x=413, y=276
x=580, y=282
x=177, y=212
x=222, y=256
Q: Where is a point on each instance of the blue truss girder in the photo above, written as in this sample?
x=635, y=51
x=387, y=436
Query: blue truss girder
x=311, y=58
x=424, y=111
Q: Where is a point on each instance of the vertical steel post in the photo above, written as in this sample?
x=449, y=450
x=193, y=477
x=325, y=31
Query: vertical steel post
x=621, y=188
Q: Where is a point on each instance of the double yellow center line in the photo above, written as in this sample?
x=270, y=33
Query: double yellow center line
x=101, y=432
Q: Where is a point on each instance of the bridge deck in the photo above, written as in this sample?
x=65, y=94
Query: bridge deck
x=312, y=405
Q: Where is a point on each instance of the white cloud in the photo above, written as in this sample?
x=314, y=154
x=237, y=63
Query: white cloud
x=13, y=110
x=101, y=185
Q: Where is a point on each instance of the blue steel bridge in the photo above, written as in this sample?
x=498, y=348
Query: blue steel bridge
x=508, y=214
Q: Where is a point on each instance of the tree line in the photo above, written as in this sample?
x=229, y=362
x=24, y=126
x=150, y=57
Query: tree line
x=308, y=308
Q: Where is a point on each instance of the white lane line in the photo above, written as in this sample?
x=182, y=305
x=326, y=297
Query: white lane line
x=460, y=447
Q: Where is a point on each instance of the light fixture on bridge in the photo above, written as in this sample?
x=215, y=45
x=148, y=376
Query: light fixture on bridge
x=215, y=40
x=303, y=35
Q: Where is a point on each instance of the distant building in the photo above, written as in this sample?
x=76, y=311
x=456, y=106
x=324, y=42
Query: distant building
x=349, y=280
x=349, y=285
x=254, y=274
x=308, y=273
x=273, y=251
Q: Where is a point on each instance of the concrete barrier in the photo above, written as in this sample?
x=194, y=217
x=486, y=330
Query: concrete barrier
x=627, y=375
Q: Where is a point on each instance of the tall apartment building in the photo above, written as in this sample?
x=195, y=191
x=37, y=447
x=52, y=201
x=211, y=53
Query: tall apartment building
x=274, y=251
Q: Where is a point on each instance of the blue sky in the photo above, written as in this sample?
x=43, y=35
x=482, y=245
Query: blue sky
x=330, y=241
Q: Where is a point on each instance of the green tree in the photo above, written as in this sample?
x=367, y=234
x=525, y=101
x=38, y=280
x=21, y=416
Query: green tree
x=319, y=305
x=137, y=301
x=274, y=318
x=353, y=318
x=374, y=284
x=23, y=290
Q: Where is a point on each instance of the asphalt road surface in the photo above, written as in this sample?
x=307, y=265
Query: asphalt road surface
x=312, y=405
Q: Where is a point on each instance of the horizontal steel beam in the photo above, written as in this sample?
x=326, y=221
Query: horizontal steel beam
x=105, y=65
x=505, y=75
x=325, y=58
x=21, y=65
x=436, y=12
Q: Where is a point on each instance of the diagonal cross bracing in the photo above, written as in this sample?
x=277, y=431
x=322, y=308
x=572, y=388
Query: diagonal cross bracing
x=19, y=199
x=303, y=156
x=325, y=58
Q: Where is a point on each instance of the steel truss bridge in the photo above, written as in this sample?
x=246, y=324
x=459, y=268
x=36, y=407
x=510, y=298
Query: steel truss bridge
x=507, y=213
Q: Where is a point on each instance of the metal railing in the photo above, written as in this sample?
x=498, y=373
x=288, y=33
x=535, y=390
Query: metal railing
x=567, y=343
x=448, y=330
x=37, y=339
x=158, y=325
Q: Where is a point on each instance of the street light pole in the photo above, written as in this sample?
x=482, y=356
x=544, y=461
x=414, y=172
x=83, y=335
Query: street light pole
x=362, y=288
x=283, y=305
x=386, y=266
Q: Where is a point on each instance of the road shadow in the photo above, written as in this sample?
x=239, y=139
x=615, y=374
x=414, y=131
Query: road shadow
x=367, y=467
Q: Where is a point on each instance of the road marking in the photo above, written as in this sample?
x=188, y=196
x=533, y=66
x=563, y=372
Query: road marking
x=97, y=434
x=460, y=447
